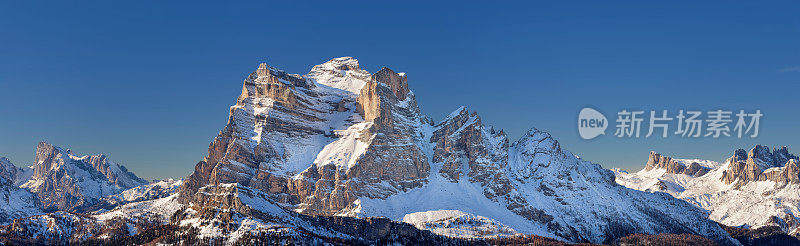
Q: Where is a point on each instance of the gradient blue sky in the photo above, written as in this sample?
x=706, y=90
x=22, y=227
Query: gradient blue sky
x=150, y=82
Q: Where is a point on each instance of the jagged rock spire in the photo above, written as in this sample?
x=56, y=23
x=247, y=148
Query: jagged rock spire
x=262, y=70
x=658, y=161
x=744, y=167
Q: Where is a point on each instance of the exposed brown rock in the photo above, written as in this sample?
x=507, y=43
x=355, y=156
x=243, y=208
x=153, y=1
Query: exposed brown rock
x=761, y=164
x=58, y=179
x=232, y=155
x=657, y=161
x=471, y=153
x=398, y=83
x=392, y=156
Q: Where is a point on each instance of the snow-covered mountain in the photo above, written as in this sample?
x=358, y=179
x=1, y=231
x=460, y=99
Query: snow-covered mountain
x=751, y=189
x=455, y=223
x=341, y=141
x=344, y=156
x=64, y=181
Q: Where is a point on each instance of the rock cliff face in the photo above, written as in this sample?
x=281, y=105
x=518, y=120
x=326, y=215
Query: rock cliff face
x=286, y=140
x=656, y=160
x=64, y=181
x=388, y=160
x=342, y=141
x=760, y=164
x=276, y=119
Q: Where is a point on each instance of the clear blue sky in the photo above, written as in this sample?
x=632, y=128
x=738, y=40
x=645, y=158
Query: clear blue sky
x=150, y=82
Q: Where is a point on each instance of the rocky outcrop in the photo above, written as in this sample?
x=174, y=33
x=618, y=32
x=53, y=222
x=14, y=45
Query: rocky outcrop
x=64, y=181
x=274, y=117
x=789, y=173
x=658, y=161
x=212, y=199
x=467, y=149
x=760, y=164
x=391, y=162
x=380, y=95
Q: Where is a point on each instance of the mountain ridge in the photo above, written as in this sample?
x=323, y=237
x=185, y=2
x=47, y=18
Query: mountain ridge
x=338, y=152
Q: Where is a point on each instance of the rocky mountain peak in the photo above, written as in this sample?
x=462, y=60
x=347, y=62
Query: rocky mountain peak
x=462, y=116
x=460, y=138
x=397, y=82
x=766, y=158
x=45, y=152
x=457, y=118
x=658, y=161
x=341, y=63
x=342, y=73
x=540, y=141
x=67, y=182
x=382, y=96
x=275, y=85
x=760, y=164
x=739, y=155
x=537, y=149
x=782, y=155
x=763, y=154
x=262, y=71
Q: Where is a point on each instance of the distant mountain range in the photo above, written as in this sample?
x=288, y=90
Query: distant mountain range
x=751, y=189
x=344, y=156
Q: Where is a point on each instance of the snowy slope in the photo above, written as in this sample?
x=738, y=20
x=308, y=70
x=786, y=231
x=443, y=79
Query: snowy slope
x=341, y=73
x=158, y=189
x=454, y=223
x=146, y=192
